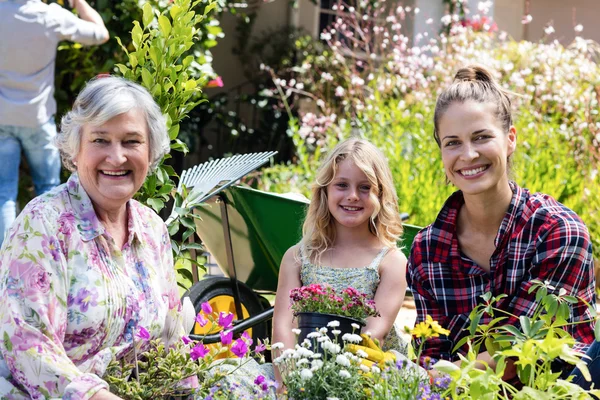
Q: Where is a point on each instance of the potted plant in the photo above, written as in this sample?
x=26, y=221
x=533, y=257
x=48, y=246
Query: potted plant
x=317, y=306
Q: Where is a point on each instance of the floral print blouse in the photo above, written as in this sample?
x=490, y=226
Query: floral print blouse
x=70, y=300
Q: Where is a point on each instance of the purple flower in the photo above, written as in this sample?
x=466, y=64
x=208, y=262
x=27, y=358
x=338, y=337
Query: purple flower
x=226, y=337
x=207, y=308
x=442, y=382
x=239, y=348
x=259, y=379
x=201, y=320
x=246, y=337
x=84, y=298
x=225, y=320
x=143, y=333
x=199, y=351
x=186, y=340
x=260, y=347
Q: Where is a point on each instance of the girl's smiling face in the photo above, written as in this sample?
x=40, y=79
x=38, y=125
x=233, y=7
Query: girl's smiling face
x=475, y=149
x=349, y=196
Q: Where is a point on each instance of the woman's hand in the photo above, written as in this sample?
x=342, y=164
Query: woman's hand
x=105, y=395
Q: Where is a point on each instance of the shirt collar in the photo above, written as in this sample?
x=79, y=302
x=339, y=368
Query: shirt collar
x=446, y=220
x=87, y=221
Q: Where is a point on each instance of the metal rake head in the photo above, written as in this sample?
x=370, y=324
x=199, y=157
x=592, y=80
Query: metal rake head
x=209, y=178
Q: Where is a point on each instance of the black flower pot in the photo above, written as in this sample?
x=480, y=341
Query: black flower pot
x=311, y=321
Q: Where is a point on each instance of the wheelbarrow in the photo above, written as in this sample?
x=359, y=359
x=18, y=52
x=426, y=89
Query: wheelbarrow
x=247, y=232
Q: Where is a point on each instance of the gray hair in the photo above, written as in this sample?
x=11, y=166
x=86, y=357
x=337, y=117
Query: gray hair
x=102, y=99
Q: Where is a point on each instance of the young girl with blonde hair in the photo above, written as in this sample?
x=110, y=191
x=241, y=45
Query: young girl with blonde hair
x=349, y=240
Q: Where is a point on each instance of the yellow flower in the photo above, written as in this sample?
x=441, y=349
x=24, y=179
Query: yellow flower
x=436, y=327
x=428, y=329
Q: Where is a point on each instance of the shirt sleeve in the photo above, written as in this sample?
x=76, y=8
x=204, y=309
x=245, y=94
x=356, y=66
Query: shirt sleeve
x=68, y=26
x=563, y=260
x=173, y=330
x=33, y=312
x=426, y=304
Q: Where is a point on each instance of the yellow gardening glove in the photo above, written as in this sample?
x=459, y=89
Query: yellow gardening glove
x=371, y=348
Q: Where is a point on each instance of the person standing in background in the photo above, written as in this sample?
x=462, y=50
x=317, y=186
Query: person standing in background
x=30, y=31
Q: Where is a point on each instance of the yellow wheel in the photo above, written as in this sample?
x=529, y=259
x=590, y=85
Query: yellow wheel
x=220, y=303
x=217, y=291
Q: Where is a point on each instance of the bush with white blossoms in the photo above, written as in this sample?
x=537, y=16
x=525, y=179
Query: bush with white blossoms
x=337, y=373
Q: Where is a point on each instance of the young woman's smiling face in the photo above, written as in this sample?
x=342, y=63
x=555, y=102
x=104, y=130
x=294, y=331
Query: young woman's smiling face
x=348, y=196
x=475, y=148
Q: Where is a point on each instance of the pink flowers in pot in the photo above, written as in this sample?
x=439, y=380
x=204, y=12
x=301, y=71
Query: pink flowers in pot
x=324, y=299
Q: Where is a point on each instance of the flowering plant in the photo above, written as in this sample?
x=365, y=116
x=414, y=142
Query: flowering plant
x=342, y=372
x=154, y=370
x=324, y=299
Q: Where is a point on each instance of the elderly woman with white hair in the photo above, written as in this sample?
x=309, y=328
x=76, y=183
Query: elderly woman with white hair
x=85, y=266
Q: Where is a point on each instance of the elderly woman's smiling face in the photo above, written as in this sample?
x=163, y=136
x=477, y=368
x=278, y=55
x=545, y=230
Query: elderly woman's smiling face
x=113, y=159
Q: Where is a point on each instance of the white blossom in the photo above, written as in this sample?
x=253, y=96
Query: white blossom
x=345, y=374
x=306, y=374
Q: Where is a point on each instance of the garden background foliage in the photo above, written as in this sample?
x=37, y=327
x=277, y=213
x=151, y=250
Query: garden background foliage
x=364, y=76
x=367, y=80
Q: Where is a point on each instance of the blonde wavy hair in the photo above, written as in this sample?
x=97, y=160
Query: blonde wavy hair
x=318, y=231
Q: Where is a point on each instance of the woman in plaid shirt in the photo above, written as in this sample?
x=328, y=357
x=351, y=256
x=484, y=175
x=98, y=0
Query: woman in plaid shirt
x=492, y=235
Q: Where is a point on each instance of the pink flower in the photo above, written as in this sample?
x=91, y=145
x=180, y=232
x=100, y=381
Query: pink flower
x=207, y=308
x=247, y=338
x=260, y=347
x=239, y=348
x=225, y=320
x=201, y=320
x=199, y=351
x=186, y=340
x=226, y=337
x=143, y=333
x=217, y=82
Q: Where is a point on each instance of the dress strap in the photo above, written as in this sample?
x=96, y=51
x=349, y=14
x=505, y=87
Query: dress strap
x=377, y=260
x=302, y=254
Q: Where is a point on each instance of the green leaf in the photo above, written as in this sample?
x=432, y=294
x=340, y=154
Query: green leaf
x=195, y=246
x=136, y=34
x=188, y=222
x=147, y=78
x=122, y=68
x=175, y=11
x=209, y=8
x=7, y=342
x=133, y=60
x=174, y=132
x=597, y=331
x=186, y=274
x=156, y=204
x=525, y=325
x=188, y=232
x=512, y=330
x=148, y=14
x=165, y=25
x=187, y=61
x=154, y=55
x=174, y=228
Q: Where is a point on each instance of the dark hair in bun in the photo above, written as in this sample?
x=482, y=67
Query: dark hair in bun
x=474, y=83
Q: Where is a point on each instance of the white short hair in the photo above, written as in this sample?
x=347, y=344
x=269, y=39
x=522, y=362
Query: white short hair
x=102, y=99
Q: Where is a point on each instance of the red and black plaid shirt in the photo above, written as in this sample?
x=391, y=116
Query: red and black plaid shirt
x=539, y=238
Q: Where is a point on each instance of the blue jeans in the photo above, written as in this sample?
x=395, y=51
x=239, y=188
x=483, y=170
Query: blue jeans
x=43, y=159
x=593, y=364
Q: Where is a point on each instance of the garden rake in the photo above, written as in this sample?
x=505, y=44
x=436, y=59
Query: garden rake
x=207, y=179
